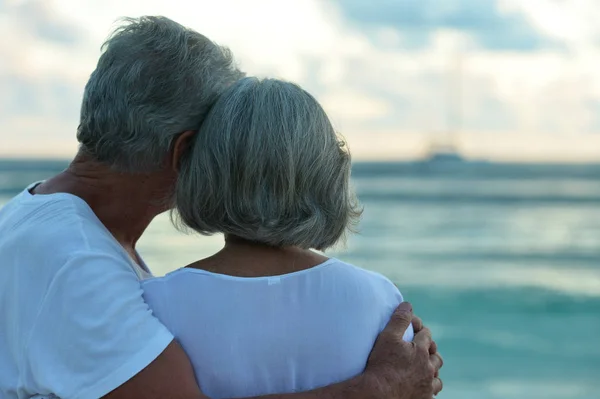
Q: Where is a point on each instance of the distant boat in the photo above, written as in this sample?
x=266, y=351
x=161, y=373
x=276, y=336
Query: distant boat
x=446, y=153
x=443, y=150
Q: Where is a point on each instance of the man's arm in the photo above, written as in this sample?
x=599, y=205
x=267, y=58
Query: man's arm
x=395, y=370
x=171, y=376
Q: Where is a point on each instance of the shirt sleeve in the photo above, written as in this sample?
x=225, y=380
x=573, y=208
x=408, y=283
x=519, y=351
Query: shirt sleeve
x=93, y=331
x=392, y=297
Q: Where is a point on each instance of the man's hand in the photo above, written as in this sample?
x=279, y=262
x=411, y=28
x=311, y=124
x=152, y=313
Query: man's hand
x=405, y=370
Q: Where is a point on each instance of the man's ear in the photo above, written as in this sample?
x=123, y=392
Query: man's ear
x=180, y=146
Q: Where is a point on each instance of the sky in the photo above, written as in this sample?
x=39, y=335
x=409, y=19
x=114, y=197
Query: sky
x=511, y=80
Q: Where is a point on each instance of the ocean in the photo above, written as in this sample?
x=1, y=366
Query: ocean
x=501, y=261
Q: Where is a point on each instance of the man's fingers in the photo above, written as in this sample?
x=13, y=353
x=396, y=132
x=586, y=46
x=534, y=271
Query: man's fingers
x=401, y=318
x=436, y=361
x=423, y=338
x=432, y=348
x=437, y=386
x=417, y=324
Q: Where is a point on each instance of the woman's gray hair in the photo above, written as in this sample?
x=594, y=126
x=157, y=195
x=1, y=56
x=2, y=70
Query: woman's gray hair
x=267, y=166
x=154, y=80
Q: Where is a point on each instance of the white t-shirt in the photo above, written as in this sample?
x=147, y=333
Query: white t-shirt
x=73, y=321
x=294, y=332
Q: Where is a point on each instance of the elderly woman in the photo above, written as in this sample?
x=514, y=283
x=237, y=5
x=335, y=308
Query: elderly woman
x=267, y=314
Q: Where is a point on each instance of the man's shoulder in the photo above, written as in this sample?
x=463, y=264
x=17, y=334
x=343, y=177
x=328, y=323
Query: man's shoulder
x=44, y=233
x=49, y=219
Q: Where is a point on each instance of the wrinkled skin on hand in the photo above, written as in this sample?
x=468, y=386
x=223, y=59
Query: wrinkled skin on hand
x=405, y=370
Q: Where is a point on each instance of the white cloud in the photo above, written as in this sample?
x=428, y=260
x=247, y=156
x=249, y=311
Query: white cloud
x=574, y=22
x=351, y=106
x=368, y=82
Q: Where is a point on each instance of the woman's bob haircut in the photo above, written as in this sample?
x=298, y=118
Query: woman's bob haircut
x=267, y=166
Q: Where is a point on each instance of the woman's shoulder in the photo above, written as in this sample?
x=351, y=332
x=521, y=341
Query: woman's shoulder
x=363, y=277
x=359, y=271
x=362, y=293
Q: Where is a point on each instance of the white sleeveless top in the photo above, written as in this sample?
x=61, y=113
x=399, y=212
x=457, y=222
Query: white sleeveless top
x=265, y=335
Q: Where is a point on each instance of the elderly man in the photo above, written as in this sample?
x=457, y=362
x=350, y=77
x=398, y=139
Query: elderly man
x=73, y=323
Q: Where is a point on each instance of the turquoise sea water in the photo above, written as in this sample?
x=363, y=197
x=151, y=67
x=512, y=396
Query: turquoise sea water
x=501, y=261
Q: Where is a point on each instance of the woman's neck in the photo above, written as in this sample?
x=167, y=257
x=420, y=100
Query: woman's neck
x=243, y=258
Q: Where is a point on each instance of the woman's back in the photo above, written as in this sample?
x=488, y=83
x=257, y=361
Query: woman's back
x=268, y=171
x=263, y=335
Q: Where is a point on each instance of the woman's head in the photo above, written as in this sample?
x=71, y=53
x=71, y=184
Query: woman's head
x=267, y=166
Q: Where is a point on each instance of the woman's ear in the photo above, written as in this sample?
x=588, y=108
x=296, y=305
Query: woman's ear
x=180, y=146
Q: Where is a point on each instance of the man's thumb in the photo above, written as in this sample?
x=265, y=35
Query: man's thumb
x=401, y=317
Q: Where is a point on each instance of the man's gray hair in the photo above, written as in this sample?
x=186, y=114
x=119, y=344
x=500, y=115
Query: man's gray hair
x=154, y=80
x=267, y=166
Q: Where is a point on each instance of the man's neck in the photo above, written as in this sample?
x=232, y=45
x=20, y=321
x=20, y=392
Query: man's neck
x=125, y=203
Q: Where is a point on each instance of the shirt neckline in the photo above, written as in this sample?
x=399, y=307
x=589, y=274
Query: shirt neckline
x=258, y=278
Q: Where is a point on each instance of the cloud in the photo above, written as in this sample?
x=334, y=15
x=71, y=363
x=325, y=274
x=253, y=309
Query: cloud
x=38, y=19
x=491, y=26
x=479, y=66
x=355, y=106
x=572, y=22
